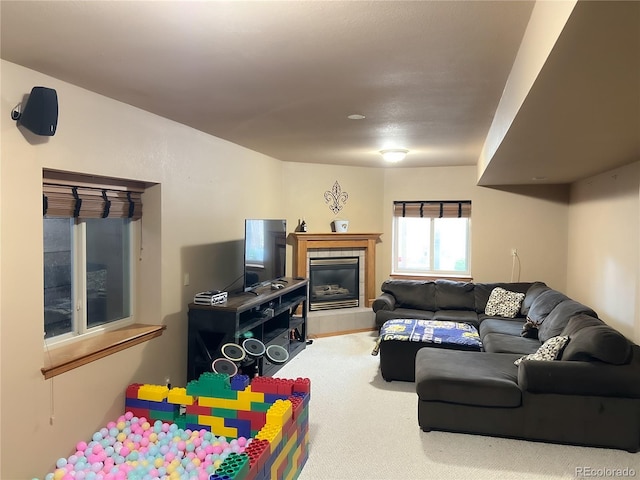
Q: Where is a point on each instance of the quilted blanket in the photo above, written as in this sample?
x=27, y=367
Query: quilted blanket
x=429, y=331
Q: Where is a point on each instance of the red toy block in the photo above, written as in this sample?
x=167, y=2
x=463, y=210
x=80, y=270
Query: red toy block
x=302, y=385
x=285, y=386
x=132, y=390
x=140, y=412
x=257, y=419
x=197, y=409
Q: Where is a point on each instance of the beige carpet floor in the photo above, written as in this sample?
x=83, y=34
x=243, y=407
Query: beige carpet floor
x=362, y=427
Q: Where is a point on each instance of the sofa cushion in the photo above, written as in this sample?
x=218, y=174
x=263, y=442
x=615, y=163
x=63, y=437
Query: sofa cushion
x=557, y=320
x=530, y=295
x=384, y=315
x=578, y=322
x=416, y=294
x=549, y=350
x=544, y=303
x=598, y=342
x=468, y=378
x=454, y=295
x=504, y=303
x=503, y=343
x=465, y=316
x=497, y=325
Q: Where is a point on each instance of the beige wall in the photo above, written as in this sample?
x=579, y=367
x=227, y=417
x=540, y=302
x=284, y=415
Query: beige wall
x=193, y=223
x=531, y=219
x=604, y=264
x=544, y=27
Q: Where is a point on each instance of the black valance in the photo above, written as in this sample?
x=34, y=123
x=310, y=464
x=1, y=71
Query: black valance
x=81, y=196
x=433, y=208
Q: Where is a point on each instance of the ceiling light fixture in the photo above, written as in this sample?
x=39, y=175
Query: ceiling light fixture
x=356, y=116
x=394, y=155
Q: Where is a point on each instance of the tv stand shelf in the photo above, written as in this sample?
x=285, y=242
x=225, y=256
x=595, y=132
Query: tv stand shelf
x=271, y=316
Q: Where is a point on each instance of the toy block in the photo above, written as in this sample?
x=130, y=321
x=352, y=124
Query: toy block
x=181, y=422
x=179, y=396
x=211, y=384
x=132, y=390
x=232, y=404
x=235, y=466
x=285, y=386
x=274, y=397
x=164, y=406
x=258, y=451
x=302, y=385
x=260, y=407
x=280, y=413
x=239, y=382
x=250, y=395
x=296, y=406
x=139, y=412
x=217, y=427
x=243, y=427
x=265, y=385
x=197, y=409
x=197, y=426
x=162, y=415
x=257, y=419
x=281, y=458
x=156, y=393
x=136, y=403
x=272, y=433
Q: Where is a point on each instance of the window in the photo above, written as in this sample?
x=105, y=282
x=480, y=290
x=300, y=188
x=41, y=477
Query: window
x=431, y=238
x=88, y=230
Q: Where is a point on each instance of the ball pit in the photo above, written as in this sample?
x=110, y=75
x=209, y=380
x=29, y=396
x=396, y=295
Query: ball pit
x=134, y=449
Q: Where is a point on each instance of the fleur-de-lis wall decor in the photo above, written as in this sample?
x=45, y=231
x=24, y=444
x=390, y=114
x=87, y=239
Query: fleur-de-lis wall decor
x=336, y=198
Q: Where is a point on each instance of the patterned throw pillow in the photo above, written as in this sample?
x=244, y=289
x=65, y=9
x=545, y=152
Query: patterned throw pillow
x=549, y=350
x=503, y=303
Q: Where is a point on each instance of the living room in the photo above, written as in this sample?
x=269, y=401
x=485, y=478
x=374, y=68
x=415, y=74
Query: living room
x=582, y=238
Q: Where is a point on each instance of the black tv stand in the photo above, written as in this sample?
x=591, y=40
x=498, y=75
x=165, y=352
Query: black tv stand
x=275, y=317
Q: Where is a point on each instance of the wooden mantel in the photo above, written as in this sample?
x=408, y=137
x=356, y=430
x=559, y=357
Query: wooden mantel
x=302, y=242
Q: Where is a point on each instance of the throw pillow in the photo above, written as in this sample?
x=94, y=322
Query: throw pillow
x=503, y=303
x=549, y=350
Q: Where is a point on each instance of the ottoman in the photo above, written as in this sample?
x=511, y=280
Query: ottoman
x=469, y=392
x=400, y=340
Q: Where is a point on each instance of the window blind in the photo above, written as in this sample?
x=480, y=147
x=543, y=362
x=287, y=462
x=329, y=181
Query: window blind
x=433, y=209
x=83, y=196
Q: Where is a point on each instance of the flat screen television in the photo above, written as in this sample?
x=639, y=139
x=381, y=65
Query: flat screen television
x=264, y=251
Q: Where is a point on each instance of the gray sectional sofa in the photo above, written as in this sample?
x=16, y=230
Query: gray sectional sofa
x=589, y=395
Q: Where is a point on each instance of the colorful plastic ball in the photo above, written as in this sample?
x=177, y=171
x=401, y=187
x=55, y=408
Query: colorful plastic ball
x=61, y=463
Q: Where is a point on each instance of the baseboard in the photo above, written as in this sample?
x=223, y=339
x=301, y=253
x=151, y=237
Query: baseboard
x=342, y=332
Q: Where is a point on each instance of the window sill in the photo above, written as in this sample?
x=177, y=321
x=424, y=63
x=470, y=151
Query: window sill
x=454, y=278
x=80, y=353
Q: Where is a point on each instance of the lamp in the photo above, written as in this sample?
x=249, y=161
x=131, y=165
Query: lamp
x=394, y=155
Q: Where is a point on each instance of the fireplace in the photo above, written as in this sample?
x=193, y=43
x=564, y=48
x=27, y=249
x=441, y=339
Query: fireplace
x=334, y=282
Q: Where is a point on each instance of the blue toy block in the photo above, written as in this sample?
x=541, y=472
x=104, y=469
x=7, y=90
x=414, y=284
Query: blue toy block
x=135, y=403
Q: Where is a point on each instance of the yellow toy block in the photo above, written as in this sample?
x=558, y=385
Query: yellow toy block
x=280, y=412
x=218, y=427
x=224, y=403
x=248, y=395
x=178, y=396
x=155, y=393
x=273, y=433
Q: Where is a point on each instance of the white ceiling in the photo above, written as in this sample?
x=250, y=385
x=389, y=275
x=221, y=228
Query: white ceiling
x=280, y=77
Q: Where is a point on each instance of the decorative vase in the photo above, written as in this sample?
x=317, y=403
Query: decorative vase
x=340, y=226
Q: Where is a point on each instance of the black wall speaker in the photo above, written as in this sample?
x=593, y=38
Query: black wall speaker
x=40, y=114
